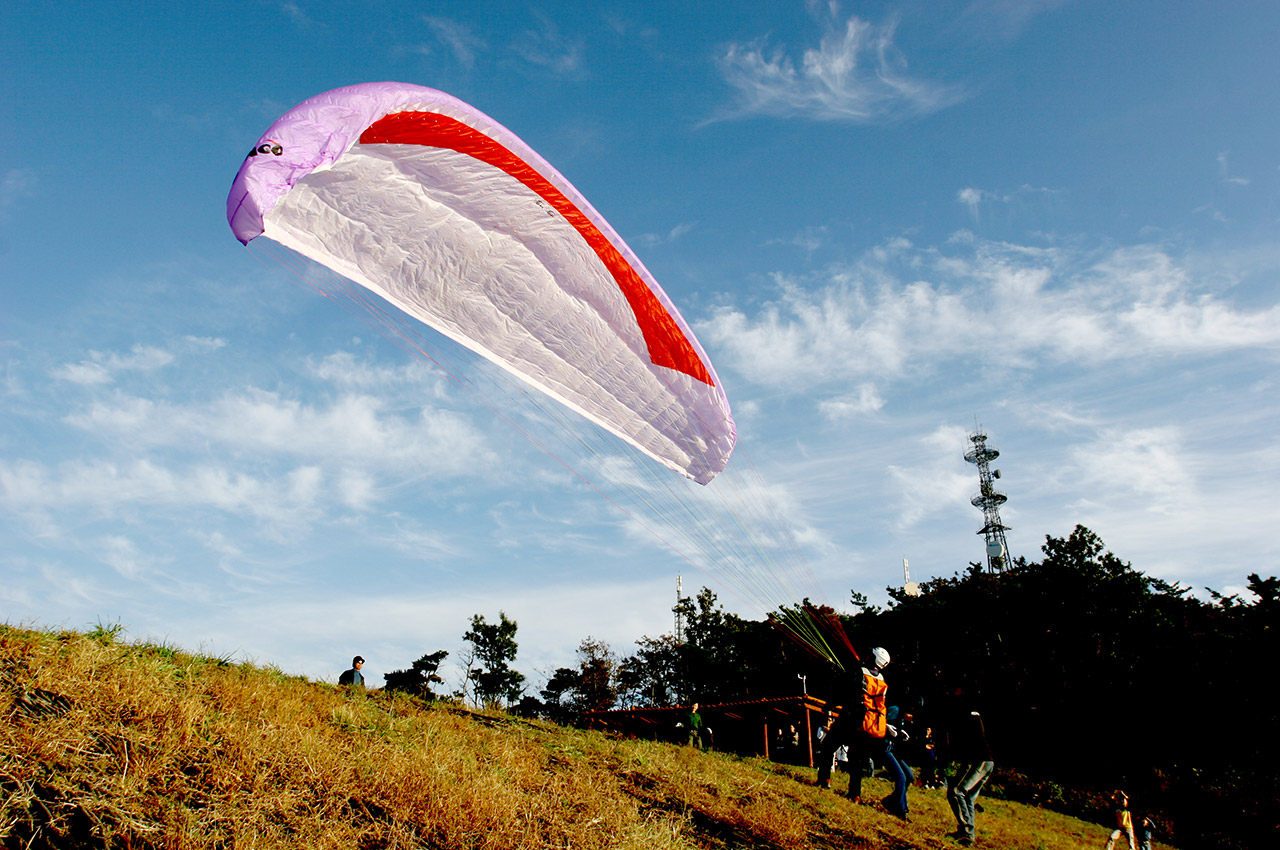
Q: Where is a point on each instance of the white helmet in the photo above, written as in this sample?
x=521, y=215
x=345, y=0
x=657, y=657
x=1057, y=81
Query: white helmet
x=879, y=657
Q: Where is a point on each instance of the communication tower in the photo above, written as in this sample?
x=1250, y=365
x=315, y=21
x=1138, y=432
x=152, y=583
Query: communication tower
x=988, y=500
x=909, y=587
x=679, y=610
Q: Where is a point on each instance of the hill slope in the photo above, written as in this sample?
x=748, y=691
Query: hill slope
x=107, y=744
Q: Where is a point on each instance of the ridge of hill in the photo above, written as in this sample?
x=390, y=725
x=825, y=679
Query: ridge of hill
x=139, y=745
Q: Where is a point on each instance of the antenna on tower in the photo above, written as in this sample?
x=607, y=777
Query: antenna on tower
x=989, y=500
x=909, y=587
x=679, y=611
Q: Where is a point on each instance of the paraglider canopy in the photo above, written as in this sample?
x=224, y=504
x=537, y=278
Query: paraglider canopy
x=440, y=210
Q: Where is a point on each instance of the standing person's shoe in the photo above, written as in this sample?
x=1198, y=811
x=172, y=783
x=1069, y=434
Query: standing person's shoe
x=889, y=807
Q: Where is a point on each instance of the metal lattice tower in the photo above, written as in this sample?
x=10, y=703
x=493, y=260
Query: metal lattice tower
x=989, y=500
x=679, y=616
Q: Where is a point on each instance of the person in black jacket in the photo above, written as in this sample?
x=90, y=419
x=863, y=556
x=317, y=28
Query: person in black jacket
x=353, y=677
x=965, y=745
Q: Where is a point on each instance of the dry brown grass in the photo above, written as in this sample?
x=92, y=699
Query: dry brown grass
x=107, y=744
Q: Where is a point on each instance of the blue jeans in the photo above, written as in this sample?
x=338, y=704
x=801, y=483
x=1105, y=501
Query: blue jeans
x=896, y=802
x=963, y=789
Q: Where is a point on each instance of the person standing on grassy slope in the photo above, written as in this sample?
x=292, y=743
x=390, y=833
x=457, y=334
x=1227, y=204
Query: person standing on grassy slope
x=1124, y=821
x=693, y=725
x=821, y=734
x=1145, y=829
x=903, y=776
x=965, y=745
x=353, y=677
x=863, y=728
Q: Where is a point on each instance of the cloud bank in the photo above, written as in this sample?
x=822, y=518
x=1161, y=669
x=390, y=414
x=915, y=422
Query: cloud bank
x=902, y=310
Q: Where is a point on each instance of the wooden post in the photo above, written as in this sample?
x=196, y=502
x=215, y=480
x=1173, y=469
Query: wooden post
x=808, y=729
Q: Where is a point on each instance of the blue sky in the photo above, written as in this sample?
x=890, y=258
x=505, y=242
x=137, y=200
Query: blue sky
x=885, y=221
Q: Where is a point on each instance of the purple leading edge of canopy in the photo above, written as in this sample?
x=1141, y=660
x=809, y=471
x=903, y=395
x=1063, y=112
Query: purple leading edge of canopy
x=315, y=133
x=320, y=130
x=320, y=133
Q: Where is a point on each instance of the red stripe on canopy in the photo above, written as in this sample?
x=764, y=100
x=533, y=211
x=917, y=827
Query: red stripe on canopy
x=668, y=346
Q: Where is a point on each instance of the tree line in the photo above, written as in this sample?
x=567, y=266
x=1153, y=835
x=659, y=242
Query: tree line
x=1092, y=673
x=488, y=678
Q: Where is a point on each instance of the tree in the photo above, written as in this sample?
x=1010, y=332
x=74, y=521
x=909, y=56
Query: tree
x=557, y=696
x=710, y=664
x=489, y=676
x=1092, y=673
x=597, y=688
x=651, y=677
x=593, y=686
x=723, y=658
x=1064, y=648
x=418, y=679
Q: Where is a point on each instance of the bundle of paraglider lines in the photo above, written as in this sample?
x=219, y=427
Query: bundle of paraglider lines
x=408, y=194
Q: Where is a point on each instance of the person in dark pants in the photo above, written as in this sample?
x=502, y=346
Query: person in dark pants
x=693, y=726
x=965, y=745
x=862, y=727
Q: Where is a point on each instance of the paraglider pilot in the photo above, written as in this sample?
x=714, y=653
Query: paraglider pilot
x=862, y=726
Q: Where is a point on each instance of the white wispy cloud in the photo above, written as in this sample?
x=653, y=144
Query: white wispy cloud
x=107, y=488
x=1225, y=171
x=547, y=47
x=461, y=41
x=410, y=539
x=350, y=429
x=865, y=400
x=935, y=482
x=203, y=344
x=808, y=239
x=122, y=555
x=855, y=74
x=879, y=320
x=748, y=515
x=974, y=199
x=1149, y=463
x=672, y=235
x=1186, y=525
x=280, y=462
x=543, y=46
x=415, y=377
x=1010, y=17
x=971, y=198
x=102, y=367
x=300, y=19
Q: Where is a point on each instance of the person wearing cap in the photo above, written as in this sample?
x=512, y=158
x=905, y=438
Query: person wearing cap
x=1124, y=822
x=353, y=677
x=863, y=727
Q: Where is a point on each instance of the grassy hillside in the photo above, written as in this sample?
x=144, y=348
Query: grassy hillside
x=109, y=744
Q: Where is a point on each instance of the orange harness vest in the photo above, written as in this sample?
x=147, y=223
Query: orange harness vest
x=874, y=691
